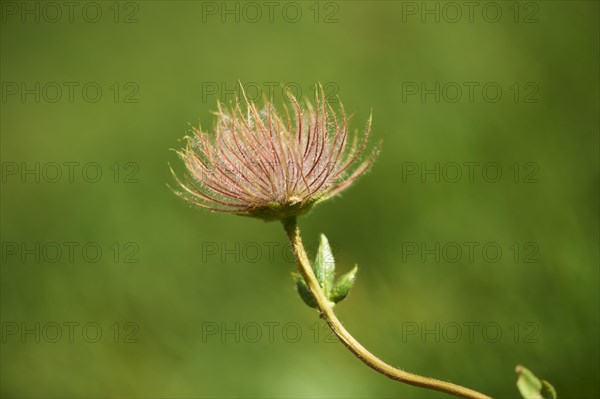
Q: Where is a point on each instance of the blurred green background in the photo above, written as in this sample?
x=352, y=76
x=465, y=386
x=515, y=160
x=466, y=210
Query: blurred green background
x=179, y=294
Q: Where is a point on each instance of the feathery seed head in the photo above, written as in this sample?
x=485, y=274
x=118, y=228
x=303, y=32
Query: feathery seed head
x=272, y=165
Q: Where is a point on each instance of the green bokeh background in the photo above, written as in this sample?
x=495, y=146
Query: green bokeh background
x=178, y=287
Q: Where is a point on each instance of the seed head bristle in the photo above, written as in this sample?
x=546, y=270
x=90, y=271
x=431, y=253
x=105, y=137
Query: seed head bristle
x=261, y=163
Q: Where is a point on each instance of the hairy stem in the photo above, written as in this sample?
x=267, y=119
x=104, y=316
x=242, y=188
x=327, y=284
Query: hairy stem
x=348, y=340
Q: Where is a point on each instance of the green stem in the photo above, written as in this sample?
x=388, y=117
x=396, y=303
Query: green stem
x=348, y=340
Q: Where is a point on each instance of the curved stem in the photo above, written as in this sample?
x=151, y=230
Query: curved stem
x=348, y=340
